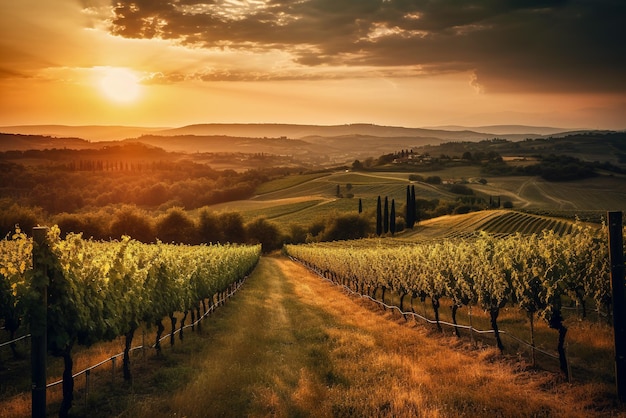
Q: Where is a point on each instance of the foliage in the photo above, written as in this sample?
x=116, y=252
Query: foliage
x=72, y=180
x=534, y=272
x=266, y=233
x=346, y=227
x=100, y=290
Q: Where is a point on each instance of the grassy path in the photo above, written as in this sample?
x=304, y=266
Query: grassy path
x=292, y=345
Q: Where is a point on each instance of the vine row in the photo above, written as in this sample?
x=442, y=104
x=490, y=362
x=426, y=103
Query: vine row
x=97, y=291
x=533, y=272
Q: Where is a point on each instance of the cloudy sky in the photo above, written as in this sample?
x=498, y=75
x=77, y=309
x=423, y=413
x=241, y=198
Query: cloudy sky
x=408, y=63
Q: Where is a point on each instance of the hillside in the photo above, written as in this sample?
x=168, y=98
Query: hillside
x=269, y=130
x=498, y=222
x=91, y=133
x=312, y=149
x=304, y=131
x=303, y=199
x=506, y=129
x=19, y=142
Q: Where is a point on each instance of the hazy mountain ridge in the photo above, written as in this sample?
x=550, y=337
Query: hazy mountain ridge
x=89, y=133
x=223, y=143
x=508, y=129
x=358, y=141
x=310, y=131
x=293, y=131
x=21, y=142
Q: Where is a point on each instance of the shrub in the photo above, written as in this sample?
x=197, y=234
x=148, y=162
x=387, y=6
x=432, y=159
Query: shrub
x=176, y=227
x=266, y=233
x=133, y=222
x=346, y=227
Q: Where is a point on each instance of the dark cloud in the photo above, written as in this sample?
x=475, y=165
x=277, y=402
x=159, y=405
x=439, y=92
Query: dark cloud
x=540, y=45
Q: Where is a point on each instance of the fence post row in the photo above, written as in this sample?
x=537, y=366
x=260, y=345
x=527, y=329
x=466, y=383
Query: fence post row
x=38, y=322
x=616, y=257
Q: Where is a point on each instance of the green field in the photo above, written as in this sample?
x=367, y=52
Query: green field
x=601, y=193
x=301, y=199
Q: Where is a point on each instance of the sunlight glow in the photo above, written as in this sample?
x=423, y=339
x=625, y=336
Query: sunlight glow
x=120, y=85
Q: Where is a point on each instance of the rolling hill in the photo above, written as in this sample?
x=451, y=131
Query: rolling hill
x=268, y=130
x=90, y=133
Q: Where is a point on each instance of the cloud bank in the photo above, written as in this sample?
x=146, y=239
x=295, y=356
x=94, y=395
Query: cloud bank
x=509, y=45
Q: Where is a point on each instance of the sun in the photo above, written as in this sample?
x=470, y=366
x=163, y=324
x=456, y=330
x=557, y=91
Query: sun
x=120, y=85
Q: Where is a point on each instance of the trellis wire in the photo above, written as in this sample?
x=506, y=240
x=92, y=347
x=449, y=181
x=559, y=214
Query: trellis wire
x=430, y=321
x=15, y=340
x=140, y=347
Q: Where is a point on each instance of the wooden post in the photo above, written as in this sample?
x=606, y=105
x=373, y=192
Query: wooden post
x=471, y=329
x=616, y=254
x=113, y=369
x=87, y=373
x=38, y=322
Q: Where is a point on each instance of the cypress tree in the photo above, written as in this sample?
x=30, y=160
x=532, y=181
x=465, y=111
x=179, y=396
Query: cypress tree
x=392, y=217
x=414, y=216
x=360, y=206
x=386, y=216
x=409, y=208
x=379, y=218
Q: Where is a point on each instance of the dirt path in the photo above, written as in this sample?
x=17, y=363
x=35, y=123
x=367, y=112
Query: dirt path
x=293, y=345
x=532, y=185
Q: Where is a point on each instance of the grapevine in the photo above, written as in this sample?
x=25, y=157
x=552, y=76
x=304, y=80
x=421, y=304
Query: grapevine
x=98, y=291
x=533, y=272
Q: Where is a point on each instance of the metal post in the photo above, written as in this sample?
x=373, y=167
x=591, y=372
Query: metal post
x=38, y=323
x=616, y=254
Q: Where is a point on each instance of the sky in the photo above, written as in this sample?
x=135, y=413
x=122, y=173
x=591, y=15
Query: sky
x=412, y=63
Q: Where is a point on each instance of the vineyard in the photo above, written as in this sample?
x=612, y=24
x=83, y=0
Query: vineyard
x=513, y=222
x=495, y=263
x=97, y=291
x=537, y=274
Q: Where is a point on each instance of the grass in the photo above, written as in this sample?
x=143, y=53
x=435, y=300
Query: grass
x=591, y=360
x=287, y=182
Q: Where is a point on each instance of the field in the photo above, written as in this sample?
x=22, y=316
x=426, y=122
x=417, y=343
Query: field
x=298, y=199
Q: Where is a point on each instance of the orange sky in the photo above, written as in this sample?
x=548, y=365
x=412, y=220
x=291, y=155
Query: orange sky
x=390, y=62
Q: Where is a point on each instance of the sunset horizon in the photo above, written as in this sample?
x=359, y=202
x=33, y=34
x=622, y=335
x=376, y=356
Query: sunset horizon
x=389, y=63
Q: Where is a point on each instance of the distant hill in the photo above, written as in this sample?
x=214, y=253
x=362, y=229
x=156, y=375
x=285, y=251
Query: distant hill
x=90, y=133
x=305, y=131
x=507, y=129
x=336, y=149
x=269, y=130
x=222, y=143
x=18, y=142
x=312, y=144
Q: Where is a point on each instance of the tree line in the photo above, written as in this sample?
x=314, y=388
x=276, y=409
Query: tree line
x=71, y=180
